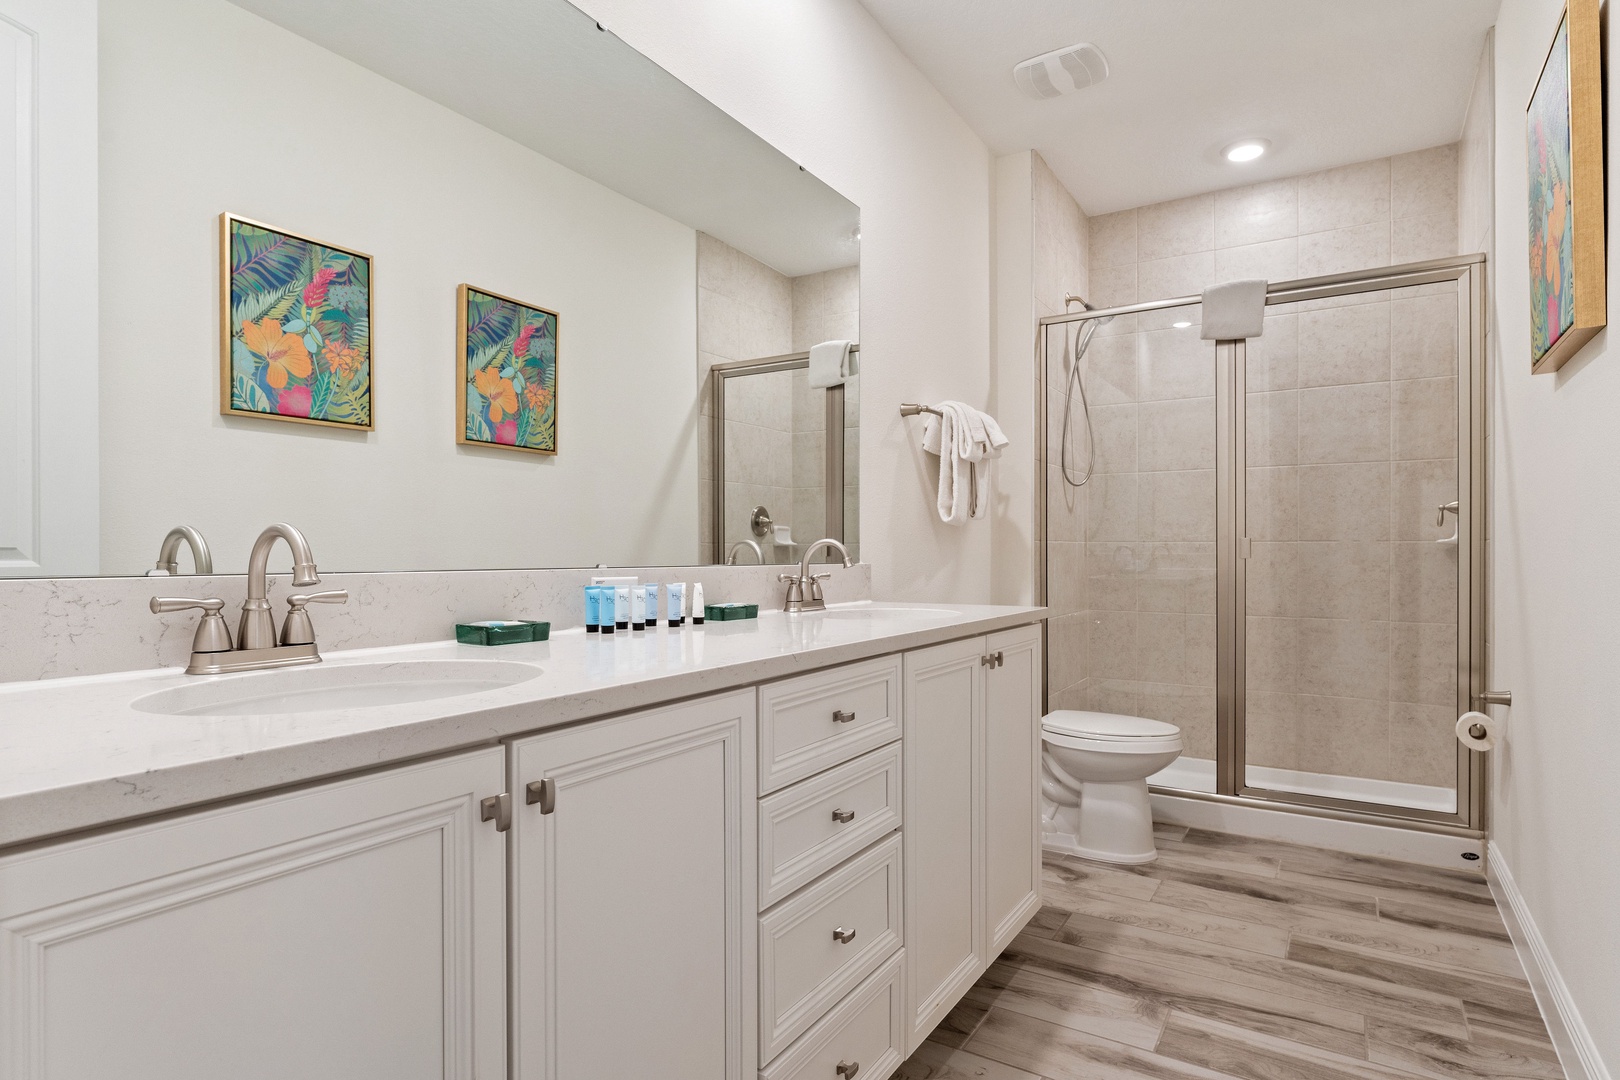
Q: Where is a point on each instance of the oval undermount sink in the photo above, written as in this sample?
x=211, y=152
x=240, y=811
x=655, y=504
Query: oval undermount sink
x=886, y=611
x=322, y=688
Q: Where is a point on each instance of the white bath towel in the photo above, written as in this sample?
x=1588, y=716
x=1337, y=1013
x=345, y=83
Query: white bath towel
x=1234, y=309
x=830, y=364
x=965, y=440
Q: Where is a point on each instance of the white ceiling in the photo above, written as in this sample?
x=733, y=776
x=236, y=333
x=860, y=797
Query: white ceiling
x=1327, y=81
x=542, y=73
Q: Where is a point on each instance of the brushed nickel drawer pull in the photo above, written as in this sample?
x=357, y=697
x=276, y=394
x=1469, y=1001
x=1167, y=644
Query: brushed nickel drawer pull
x=842, y=936
x=842, y=717
x=543, y=792
x=843, y=817
x=497, y=808
x=847, y=1069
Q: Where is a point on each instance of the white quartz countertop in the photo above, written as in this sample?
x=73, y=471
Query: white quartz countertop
x=76, y=753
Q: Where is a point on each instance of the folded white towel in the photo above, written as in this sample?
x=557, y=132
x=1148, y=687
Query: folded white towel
x=965, y=441
x=1234, y=309
x=830, y=364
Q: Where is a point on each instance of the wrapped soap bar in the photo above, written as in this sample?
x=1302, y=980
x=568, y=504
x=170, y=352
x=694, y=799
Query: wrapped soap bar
x=502, y=632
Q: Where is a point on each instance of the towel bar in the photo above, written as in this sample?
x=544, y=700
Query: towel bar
x=909, y=409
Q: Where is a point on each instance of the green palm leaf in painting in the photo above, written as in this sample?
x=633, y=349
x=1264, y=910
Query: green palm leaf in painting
x=265, y=262
x=491, y=323
x=246, y=395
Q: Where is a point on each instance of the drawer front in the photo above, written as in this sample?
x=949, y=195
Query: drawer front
x=803, y=968
x=809, y=828
x=863, y=1031
x=825, y=718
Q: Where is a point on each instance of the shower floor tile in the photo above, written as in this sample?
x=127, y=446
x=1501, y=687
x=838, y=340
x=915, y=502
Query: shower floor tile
x=1238, y=959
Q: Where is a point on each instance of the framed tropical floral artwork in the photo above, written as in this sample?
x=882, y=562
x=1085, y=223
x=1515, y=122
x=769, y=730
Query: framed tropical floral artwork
x=295, y=327
x=1564, y=123
x=506, y=372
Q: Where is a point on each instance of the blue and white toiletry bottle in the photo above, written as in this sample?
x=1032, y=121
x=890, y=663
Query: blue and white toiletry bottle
x=606, y=607
x=652, y=604
x=675, y=609
x=621, y=606
x=638, y=605
x=593, y=609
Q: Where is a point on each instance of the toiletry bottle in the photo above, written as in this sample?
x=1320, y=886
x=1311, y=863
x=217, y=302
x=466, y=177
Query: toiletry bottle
x=638, y=604
x=593, y=609
x=675, y=608
x=607, y=605
x=697, y=603
x=621, y=606
x=652, y=604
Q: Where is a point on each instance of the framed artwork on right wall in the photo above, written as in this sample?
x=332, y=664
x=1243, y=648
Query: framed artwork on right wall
x=1564, y=128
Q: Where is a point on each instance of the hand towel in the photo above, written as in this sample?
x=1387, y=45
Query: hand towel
x=1234, y=309
x=830, y=364
x=965, y=440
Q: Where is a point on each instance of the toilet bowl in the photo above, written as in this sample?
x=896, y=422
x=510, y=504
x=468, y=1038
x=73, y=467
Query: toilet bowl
x=1094, y=770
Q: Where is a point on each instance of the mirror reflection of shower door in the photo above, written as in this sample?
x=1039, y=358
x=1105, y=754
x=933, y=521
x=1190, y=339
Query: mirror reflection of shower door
x=1350, y=589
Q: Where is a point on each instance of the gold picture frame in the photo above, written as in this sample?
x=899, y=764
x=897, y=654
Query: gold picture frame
x=295, y=333
x=506, y=372
x=1565, y=204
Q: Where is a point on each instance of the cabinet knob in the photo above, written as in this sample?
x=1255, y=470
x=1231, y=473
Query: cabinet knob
x=842, y=717
x=848, y=1069
x=842, y=936
x=543, y=792
x=843, y=817
x=497, y=808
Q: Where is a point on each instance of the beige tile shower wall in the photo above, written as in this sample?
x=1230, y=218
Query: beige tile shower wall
x=745, y=311
x=1352, y=444
x=826, y=307
x=1061, y=237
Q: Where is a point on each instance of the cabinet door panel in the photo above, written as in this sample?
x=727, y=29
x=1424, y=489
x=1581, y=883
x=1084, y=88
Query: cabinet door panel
x=1012, y=740
x=630, y=899
x=943, y=850
x=353, y=929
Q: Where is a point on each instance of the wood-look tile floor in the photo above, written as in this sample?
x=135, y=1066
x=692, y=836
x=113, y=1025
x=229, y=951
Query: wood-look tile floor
x=1239, y=959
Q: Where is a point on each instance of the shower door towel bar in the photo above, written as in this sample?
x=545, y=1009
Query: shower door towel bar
x=911, y=408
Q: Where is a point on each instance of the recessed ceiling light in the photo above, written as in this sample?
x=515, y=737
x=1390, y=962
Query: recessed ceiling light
x=1182, y=325
x=1246, y=150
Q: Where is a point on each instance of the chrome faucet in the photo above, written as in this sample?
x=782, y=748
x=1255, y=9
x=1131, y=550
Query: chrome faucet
x=804, y=588
x=168, y=560
x=212, y=652
x=731, y=552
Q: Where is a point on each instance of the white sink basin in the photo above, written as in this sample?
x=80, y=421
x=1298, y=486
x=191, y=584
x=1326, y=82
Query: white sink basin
x=322, y=688
x=885, y=611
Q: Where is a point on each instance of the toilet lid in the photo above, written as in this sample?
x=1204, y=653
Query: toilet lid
x=1102, y=725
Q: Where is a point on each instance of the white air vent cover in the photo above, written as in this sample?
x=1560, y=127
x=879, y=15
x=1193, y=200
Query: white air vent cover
x=1061, y=71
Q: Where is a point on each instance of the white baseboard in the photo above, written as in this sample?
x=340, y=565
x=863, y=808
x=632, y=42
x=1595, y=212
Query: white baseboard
x=1358, y=838
x=1576, y=1050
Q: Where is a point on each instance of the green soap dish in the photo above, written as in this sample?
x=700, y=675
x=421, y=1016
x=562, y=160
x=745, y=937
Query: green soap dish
x=502, y=632
x=730, y=612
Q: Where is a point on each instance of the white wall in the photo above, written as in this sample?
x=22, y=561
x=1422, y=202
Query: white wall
x=206, y=108
x=820, y=81
x=1555, y=584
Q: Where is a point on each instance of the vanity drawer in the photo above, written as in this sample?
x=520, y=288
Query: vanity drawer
x=809, y=828
x=865, y=1030
x=804, y=969
x=825, y=718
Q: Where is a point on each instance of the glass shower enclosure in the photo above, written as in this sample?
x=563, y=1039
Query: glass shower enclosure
x=1281, y=546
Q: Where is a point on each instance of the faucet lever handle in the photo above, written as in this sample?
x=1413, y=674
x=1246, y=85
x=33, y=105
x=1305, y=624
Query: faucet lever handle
x=212, y=635
x=335, y=596
x=298, y=630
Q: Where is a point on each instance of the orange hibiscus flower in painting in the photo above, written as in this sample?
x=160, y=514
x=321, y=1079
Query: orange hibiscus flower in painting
x=284, y=353
x=537, y=396
x=502, y=397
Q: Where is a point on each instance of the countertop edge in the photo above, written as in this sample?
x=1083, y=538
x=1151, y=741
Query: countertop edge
x=124, y=800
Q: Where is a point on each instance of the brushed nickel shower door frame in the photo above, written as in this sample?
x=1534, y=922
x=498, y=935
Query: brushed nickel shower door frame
x=1468, y=271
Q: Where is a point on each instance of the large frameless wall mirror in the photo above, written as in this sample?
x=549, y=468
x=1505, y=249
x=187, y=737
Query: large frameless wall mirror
x=519, y=149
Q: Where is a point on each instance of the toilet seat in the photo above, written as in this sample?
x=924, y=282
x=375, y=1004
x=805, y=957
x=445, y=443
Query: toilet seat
x=1109, y=732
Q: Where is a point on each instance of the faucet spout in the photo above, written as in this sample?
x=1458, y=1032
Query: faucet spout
x=258, y=629
x=810, y=553
x=168, y=559
x=804, y=590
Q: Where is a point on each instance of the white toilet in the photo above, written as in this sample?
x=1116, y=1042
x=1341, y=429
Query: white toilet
x=1094, y=770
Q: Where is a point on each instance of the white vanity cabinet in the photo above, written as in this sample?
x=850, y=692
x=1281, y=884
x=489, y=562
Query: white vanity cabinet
x=632, y=896
x=972, y=857
x=355, y=929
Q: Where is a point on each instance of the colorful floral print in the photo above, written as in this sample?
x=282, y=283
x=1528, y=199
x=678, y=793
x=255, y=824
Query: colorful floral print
x=509, y=362
x=1552, y=242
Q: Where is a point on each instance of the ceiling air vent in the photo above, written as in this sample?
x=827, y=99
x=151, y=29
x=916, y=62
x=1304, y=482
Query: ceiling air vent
x=1061, y=71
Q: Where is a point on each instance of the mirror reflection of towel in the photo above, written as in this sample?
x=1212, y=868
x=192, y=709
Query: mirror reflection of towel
x=830, y=364
x=966, y=441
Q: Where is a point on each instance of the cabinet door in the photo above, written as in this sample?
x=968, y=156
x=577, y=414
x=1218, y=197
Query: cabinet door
x=1012, y=743
x=633, y=896
x=354, y=929
x=944, y=853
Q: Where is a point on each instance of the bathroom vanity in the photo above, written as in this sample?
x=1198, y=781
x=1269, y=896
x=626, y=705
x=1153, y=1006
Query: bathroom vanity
x=782, y=847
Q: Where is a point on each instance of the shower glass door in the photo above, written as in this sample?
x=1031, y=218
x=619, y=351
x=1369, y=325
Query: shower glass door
x=1281, y=548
